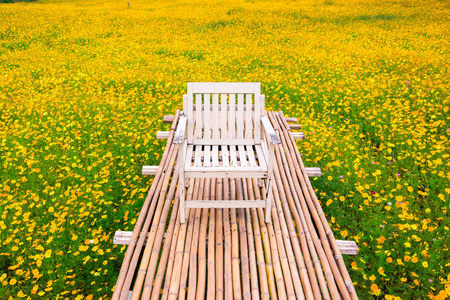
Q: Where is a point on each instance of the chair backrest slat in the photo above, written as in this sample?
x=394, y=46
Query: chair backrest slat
x=223, y=116
x=259, y=103
x=240, y=117
x=207, y=116
x=215, y=117
x=248, y=116
x=224, y=111
x=198, y=116
x=232, y=119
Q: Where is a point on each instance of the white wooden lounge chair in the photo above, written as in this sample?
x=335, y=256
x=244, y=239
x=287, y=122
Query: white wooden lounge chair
x=222, y=130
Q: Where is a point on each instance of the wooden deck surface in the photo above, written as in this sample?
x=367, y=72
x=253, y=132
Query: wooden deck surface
x=233, y=253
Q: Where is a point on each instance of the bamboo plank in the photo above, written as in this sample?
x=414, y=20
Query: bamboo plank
x=224, y=253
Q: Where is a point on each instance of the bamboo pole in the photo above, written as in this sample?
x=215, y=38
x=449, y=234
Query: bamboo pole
x=237, y=291
x=251, y=244
x=276, y=235
x=179, y=234
x=272, y=248
x=262, y=228
x=292, y=191
x=119, y=290
x=336, y=275
x=255, y=236
x=306, y=209
x=201, y=278
x=228, y=277
x=162, y=202
x=245, y=271
x=219, y=245
x=210, y=289
x=148, y=284
x=325, y=233
x=189, y=265
x=167, y=252
x=305, y=242
x=280, y=198
x=182, y=249
x=329, y=233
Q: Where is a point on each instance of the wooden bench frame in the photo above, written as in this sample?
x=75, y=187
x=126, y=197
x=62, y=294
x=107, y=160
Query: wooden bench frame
x=216, y=121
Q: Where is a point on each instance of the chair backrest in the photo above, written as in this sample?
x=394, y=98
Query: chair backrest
x=223, y=112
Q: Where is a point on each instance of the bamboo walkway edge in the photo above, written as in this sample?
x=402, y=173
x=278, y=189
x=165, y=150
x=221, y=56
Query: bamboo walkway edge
x=231, y=253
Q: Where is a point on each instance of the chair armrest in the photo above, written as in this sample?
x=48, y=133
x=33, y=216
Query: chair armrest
x=180, y=131
x=273, y=137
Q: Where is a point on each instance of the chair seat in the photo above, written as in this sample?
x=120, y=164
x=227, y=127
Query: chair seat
x=224, y=158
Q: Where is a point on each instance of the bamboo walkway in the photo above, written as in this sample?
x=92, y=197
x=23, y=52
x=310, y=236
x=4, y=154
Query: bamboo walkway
x=233, y=253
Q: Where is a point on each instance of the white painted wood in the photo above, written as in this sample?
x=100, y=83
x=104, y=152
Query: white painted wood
x=207, y=117
x=225, y=156
x=181, y=182
x=151, y=170
x=291, y=119
x=223, y=116
x=224, y=134
x=225, y=203
x=220, y=106
x=240, y=117
x=313, y=172
x=232, y=117
x=168, y=119
x=207, y=156
x=190, y=113
x=233, y=156
x=261, y=157
x=215, y=156
x=198, y=117
x=226, y=173
x=242, y=169
x=215, y=117
x=298, y=135
x=251, y=156
x=162, y=135
x=124, y=237
x=273, y=137
x=198, y=157
x=347, y=247
x=257, y=115
x=223, y=87
x=181, y=130
x=248, y=116
x=242, y=156
x=189, y=158
x=224, y=142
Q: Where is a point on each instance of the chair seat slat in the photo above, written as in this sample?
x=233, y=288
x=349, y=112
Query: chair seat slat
x=198, y=156
x=233, y=156
x=242, y=156
x=215, y=156
x=225, y=156
x=188, y=158
x=261, y=158
x=251, y=156
x=207, y=156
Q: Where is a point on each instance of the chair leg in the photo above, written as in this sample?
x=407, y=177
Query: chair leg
x=268, y=199
x=181, y=186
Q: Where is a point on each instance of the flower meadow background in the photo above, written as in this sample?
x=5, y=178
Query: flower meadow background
x=84, y=86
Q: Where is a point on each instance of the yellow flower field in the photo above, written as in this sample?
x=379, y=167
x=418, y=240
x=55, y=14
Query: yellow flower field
x=84, y=86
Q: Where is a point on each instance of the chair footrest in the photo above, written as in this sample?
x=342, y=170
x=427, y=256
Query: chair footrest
x=224, y=203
